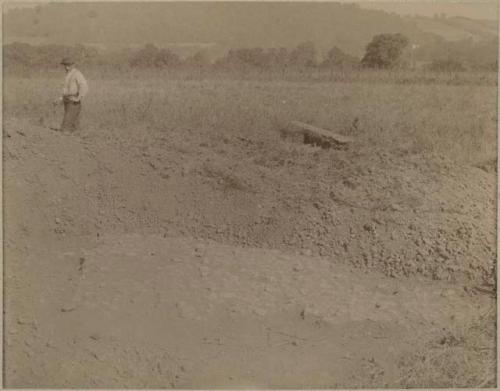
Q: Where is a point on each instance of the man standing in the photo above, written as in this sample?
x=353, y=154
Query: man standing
x=75, y=88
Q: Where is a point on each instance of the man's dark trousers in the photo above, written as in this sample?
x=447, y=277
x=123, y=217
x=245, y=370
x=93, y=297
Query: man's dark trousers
x=71, y=115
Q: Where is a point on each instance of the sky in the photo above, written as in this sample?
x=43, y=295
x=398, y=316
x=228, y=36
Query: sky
x=476, y=9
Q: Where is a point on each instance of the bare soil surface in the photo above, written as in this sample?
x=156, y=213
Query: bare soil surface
x=183, y=260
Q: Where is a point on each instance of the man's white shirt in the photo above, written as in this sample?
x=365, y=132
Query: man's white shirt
x=75, y=85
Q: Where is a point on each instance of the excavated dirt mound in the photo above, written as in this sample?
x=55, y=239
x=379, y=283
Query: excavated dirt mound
x=184, y=258
x=398, y=212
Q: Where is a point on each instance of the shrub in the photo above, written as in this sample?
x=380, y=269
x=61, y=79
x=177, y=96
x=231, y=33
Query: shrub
x=384, y=51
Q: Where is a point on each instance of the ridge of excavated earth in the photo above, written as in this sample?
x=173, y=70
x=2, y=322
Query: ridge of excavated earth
x=402, y=215
x=177, y=259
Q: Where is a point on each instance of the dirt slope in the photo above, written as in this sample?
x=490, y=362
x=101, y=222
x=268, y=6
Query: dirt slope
x=148, y=311
x=399, y=213
x=183, y=259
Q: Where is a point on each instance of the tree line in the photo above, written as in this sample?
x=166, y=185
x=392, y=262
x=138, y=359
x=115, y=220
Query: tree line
x=385, y=51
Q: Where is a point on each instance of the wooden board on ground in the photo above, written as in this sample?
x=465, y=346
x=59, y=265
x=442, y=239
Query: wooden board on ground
x=320, y=133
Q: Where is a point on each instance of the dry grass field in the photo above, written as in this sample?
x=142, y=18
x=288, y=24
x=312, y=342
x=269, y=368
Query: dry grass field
x=426, y=111
x=179, y=240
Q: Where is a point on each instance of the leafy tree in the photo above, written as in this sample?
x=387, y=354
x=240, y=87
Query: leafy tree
x=145, y=56
x=166, y=57
x=475, y=54
x=336, y=58
x=239, y=57
x=384, y=51
x=199, y=59
x=304, y=55
x=18, y=54
x=151, y=56
x=254, y=56
x=277, y=56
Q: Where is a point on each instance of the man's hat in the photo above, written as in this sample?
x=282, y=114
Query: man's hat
x=67, y=61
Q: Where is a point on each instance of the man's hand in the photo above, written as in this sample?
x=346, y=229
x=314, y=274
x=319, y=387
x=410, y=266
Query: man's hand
x=57, y=102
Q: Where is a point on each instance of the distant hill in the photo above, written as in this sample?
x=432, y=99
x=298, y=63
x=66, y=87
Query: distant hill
x=221, y=25
x=458, y=28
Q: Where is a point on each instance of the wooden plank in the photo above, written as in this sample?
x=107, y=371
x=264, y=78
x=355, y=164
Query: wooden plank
x=322, y=132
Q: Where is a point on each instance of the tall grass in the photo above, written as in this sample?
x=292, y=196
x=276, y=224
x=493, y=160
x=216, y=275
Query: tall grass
x=453, y=121
x=461, y=356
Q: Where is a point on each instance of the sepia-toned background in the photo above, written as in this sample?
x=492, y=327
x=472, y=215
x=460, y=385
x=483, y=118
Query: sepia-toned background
x=260, y=194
